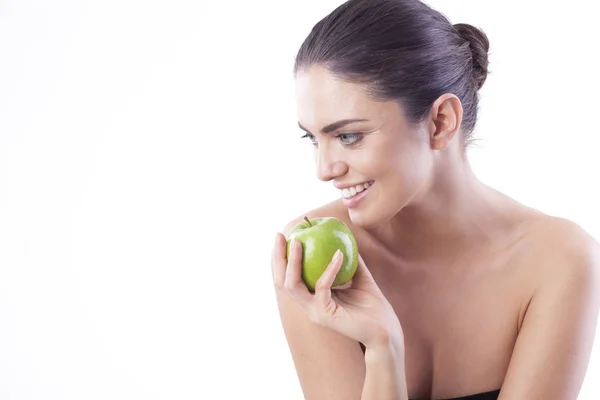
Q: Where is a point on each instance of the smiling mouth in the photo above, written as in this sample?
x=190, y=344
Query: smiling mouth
x=350, y=192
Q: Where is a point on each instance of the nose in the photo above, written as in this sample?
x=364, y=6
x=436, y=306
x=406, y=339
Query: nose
x=329, y=166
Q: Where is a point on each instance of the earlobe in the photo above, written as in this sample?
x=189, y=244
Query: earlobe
x=446, y=116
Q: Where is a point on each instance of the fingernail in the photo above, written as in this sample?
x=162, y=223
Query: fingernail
x=337, y=255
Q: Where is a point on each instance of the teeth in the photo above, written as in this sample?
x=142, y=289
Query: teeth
x=349, y=192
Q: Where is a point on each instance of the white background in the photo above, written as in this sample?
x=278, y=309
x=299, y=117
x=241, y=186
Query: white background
x=149, y=151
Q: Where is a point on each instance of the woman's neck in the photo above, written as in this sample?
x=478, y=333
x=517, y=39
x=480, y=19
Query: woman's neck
x=453, y=214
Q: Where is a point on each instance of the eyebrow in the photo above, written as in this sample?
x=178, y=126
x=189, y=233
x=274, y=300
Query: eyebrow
x=334, y=126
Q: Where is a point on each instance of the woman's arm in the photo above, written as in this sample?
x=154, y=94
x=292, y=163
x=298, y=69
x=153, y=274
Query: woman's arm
x=553, y=348
x=329, y=365
x=385, y=377
x=324, y=329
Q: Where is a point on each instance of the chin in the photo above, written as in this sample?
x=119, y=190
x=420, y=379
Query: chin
x=374, y=213
x=363, y=218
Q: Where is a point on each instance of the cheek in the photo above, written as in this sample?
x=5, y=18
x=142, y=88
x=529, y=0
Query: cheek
x=409, y=168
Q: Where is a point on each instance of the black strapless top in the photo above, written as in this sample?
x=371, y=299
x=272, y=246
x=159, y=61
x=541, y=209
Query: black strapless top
x=493, y=395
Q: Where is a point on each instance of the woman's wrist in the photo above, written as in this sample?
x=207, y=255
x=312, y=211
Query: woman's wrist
x=388, y=344
x=387, y=338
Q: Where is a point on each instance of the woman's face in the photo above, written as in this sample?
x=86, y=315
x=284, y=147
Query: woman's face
x=361, y=143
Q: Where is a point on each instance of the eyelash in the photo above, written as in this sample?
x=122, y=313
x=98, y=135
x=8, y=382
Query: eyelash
x=358, y=137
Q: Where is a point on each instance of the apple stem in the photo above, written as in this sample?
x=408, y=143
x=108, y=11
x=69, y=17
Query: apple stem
x=306, y=219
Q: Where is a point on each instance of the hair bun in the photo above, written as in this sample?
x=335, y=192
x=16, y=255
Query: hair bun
x=479, y=44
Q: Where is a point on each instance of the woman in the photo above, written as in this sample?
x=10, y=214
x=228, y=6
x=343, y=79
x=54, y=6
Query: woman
x=460, y=290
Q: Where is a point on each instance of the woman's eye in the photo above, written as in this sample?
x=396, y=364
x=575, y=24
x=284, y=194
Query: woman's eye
x=312, y=139
x=350, y=138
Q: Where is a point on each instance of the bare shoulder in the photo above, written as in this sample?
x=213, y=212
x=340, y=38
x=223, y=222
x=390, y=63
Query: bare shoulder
x=559, y=325
x=329, y=365
x=565, y=248
x=563, y=261
x=331, y=209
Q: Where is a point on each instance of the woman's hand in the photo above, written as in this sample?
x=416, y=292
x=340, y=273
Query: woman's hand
x=359, y=311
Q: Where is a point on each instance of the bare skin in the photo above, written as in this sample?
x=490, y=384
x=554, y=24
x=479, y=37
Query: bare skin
x=489, y=293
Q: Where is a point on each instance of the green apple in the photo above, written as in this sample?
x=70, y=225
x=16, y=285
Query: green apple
x=320, y=239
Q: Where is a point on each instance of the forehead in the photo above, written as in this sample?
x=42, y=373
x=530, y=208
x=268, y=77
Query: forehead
x=322, y=98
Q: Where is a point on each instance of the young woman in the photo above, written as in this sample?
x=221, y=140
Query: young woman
x=460, y=290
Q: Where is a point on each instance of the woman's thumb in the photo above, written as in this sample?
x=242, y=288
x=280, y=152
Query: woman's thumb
x=362, y=272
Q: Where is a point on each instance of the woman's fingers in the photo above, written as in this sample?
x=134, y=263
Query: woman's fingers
x=362, y=272
x=346, y=285
x=294, y=285
x=325, y=281
x=287, y=276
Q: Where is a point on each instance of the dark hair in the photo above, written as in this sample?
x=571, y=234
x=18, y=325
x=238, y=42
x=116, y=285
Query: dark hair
x=402, y=50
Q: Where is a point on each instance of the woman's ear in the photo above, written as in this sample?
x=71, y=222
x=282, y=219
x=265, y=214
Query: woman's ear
x=444, y=120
